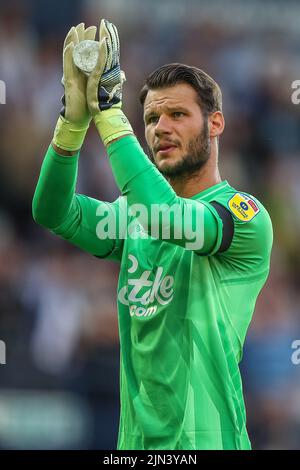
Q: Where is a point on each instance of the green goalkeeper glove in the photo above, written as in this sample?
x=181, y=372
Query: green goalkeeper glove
x=104, y=87
x=74, y=118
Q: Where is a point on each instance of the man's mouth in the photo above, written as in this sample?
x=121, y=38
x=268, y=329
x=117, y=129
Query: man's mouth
x=163, y=149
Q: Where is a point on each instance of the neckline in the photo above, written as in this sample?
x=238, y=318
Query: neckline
x=211, y=189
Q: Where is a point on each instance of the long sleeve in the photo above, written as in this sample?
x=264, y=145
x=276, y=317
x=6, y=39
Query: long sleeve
x=145, y=187
x=74, y=217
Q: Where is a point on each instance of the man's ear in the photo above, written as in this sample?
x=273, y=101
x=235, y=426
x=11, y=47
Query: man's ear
x=216, y=123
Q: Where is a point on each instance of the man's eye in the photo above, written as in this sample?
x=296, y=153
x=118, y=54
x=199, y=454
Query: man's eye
x=178, y=114
x=152, y=119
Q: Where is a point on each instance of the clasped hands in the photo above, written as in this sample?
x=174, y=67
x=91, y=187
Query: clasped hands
x=97, y=96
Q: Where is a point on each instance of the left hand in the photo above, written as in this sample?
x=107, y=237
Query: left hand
x=104, y=86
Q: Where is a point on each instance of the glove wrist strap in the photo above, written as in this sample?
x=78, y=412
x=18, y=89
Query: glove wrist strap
x=111, y=124
x=68, y=136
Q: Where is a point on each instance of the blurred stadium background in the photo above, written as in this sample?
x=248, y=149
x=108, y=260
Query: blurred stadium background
x=59, y=387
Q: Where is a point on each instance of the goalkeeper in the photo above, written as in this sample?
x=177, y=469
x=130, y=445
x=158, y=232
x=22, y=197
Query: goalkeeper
x=189, y=279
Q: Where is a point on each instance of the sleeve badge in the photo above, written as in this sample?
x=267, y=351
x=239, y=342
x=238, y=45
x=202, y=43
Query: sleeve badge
x=243, y=207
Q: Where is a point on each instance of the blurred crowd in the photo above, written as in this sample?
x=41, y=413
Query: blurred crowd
x=59, y=387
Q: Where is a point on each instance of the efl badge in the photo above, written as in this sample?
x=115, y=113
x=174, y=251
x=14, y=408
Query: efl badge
x=243, y=207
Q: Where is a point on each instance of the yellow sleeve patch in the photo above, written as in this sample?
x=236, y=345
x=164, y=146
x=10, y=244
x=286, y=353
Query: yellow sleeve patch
x=243, y=207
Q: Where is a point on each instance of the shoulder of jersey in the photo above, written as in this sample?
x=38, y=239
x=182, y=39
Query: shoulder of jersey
x=243, y=206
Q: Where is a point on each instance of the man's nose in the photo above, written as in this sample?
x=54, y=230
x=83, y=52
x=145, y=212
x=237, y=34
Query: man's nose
x=163, y=125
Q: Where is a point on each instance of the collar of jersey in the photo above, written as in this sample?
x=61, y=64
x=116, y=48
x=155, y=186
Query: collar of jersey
x=211, y=190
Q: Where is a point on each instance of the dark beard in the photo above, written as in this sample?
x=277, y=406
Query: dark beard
x=197, y=155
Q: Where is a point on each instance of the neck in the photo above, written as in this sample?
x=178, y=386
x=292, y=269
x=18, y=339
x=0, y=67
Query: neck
x=189, y=185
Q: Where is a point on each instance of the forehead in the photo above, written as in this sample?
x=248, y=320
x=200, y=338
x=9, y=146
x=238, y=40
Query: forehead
x=180, y=94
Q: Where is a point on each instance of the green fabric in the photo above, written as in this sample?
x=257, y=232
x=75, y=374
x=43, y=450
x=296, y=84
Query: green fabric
x=183, y=320
x=181, y=345
x=70, y=215
x=182, y=317
x=134, y=174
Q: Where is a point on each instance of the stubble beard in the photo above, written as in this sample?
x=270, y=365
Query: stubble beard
x=193, y=161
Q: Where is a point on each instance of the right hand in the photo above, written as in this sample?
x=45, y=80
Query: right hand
x=75, y=109
x=74, y=119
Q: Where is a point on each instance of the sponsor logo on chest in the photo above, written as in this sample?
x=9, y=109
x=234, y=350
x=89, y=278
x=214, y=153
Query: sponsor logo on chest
x=144, y=295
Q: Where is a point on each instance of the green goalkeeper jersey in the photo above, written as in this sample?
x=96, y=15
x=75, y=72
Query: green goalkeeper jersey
x=183, y=320
x=183, y=313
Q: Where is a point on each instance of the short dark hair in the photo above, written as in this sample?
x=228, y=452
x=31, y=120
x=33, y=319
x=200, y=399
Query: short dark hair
x=208, y=91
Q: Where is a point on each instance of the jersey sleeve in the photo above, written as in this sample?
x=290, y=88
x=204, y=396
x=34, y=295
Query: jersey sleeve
x=85, y=226
x=192, y=224
x=75, y=217
x=249, y=251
